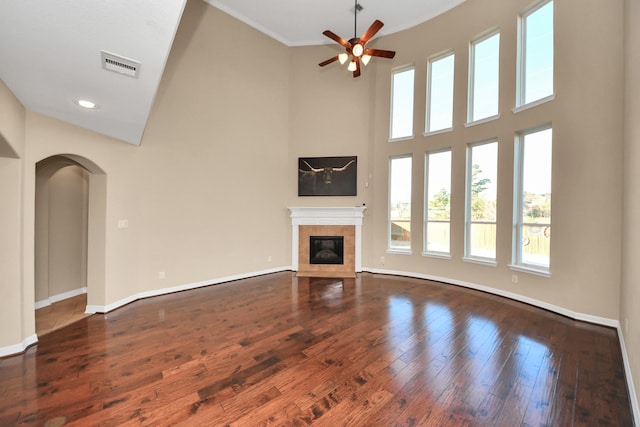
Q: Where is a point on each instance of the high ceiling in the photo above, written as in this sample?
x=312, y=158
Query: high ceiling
x=301, y=23
x=51, y=51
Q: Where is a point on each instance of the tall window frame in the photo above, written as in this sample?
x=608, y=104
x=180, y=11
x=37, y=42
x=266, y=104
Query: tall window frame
x=437, y=209
x=402, y=103
x=532, y=193
x=481, y=202
x=440, y=90
x=535, y=75
x=399, y=207
x=484, y=78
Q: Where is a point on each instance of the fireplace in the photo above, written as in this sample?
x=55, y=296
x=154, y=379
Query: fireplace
x=327, y=224
x=326, y=249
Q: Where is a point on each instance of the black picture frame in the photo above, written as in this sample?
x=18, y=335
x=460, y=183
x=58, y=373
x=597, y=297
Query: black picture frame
x=328, y=176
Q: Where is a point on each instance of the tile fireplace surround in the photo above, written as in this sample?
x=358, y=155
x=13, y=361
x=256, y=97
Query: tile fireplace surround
x=327, y=221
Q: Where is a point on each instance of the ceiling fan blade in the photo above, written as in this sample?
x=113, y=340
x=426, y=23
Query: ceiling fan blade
x=333, y=36
x=380, y=53
x=373, y=29
x=356, y=72
x=328, y=61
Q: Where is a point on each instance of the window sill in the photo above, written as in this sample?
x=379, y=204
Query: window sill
x=402, y=138
x=534, y=103
x=436, y=132
x=531, y=270
x=439, y=255
x=400, y=251
x=482, y=261
x=481, y=121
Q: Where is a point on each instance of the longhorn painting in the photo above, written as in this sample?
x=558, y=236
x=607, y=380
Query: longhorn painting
x=327, y=176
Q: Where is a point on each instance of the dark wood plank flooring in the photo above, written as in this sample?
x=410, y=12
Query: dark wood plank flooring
x=279, y=350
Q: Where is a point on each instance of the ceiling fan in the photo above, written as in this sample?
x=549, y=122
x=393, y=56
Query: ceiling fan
x=357, y=47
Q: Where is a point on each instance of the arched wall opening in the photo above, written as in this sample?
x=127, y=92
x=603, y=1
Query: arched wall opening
x=70, y=217
x=61, y=216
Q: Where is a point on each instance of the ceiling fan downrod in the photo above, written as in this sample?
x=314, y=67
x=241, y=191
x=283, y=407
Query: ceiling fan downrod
x=355, y=20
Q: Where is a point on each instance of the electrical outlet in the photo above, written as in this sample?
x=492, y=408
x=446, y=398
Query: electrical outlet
x=382, y=260
x=161, y=275
x=269, y=259
x=514, y=278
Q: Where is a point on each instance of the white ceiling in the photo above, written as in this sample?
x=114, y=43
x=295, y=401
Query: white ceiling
x=301, y=23
x=50, y=50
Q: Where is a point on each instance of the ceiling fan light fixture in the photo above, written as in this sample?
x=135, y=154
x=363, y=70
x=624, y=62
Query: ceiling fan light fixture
x=357, y=46
x=357, y=50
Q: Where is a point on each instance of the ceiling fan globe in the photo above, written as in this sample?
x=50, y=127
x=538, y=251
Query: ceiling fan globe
x=357, y=50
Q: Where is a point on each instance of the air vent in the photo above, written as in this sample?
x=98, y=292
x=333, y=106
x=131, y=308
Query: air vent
x=120, y=64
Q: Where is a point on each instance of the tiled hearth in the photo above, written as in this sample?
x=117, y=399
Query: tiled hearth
x=327, y=221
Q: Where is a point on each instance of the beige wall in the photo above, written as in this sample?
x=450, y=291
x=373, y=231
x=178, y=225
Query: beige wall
x=333, y=114
x=330, y=116
x=67, y=202
x=630, y=290
x=587, y=123
x=206, y=193
x=41, y=237
x=12, y=141
x=10, y=252
x=60, y=231
x=12, y=125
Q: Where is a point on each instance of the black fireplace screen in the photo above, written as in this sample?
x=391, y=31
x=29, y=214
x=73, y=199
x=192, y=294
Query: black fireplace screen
x=326, y=249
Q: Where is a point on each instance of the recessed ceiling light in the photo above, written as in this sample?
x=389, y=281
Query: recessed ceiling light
x=84, y=103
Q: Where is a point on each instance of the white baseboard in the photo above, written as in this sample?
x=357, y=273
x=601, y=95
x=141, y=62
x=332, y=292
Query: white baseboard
x=18, y=348
x=91, y=309
x=55, y=298
x=627, y=369
x=551, y=307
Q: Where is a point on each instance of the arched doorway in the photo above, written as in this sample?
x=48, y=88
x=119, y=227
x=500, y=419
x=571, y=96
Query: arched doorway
x=64, y=218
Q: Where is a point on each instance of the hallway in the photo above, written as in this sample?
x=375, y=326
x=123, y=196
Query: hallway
x=60, y=314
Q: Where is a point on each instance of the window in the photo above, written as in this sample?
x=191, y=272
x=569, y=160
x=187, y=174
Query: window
x=440, y=93
x=402, y=103
x=400, y=203
x=438, y=206
x=484, y=76
x=481, y=201
x=532, y=200
x=535, y=59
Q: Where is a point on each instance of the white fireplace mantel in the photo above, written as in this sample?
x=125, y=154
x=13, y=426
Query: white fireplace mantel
x=326, y=216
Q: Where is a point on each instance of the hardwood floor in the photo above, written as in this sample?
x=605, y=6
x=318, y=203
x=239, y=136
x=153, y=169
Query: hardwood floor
x=278, y=350
x=60, y=314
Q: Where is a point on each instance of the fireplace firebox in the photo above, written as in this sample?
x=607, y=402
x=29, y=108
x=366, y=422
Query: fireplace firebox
x=326, y=249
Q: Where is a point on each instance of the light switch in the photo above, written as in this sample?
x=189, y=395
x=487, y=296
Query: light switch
x=123, y=223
